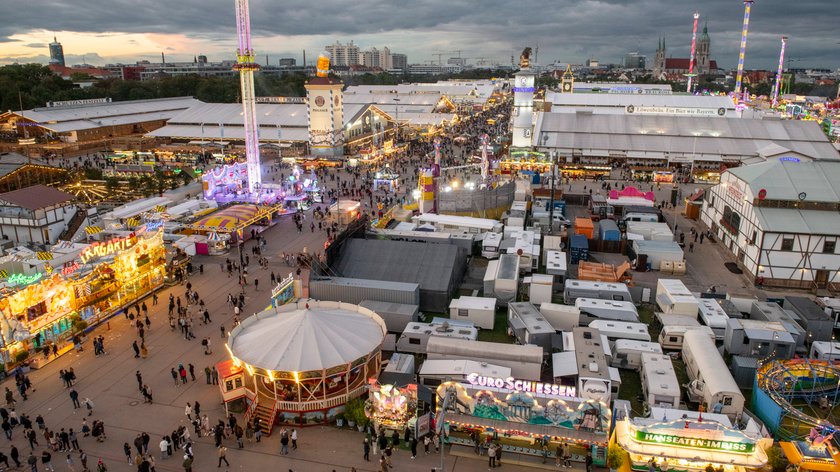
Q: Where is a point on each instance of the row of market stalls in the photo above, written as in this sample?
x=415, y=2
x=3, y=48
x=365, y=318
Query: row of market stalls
x=40, y=309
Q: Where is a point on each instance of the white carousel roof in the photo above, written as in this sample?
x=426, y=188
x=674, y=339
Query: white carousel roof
x=300, y=339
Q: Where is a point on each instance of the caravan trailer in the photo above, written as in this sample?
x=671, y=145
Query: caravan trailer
x=529, y=326
x=659, y=381
x=416, y=336
x=490, y=245
x=506, y=284
x=673, y=298
x=614, y=330
x=479, y=310
x=458, y=224
x=711, y=384
x=712, y=315
x=825, y=351
x=435, y=372
x=574, y=289
x=672, y=336
x=560, y=317
x=556, y=264
x=591, y=309
x=627, y=354
x=490, y=278
x=525, y=362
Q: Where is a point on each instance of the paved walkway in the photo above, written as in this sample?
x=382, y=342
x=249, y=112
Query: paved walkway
x=109, y=381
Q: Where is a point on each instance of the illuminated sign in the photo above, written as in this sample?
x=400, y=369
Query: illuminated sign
x=517, y=385
x=107, y=248
x=789, y=159
x=69, y=269
x=284, y=292
x=153, y=225
x=699, y=443
x=524, y=89
x=23, y=279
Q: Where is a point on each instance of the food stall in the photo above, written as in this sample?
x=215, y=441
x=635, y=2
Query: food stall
x=678, y=440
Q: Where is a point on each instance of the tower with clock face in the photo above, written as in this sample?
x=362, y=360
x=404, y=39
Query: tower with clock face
x=325, y=114
x=567, y=83
x=523, y=109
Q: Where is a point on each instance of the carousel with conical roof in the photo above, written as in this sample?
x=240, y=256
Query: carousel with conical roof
x=299, y=363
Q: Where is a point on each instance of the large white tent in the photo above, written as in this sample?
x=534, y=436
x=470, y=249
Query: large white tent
x=307, y=336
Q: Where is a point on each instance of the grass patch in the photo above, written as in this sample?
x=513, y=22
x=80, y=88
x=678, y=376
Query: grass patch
x=631, y=390
x=499, y=332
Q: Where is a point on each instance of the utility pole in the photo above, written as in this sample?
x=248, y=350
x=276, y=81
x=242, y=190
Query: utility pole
x=553, y=184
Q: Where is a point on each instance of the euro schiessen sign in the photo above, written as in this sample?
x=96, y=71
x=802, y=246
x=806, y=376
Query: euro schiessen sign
x=699, y=443
x=518, y=385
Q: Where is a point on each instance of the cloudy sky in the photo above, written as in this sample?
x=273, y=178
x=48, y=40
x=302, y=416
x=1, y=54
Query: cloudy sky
x=101, y=31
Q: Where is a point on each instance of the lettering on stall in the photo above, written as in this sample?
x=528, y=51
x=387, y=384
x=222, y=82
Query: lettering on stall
x=107, y=248
x=518, y=385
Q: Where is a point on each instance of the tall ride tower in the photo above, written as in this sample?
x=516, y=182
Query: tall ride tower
x=779, y=71
x=744, y=31
x=246, y=65
x=691, y=59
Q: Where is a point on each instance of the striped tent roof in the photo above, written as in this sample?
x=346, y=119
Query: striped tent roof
x=227, y=220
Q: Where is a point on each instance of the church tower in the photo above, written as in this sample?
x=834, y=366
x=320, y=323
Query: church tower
x=704, y=62
x=659, y=59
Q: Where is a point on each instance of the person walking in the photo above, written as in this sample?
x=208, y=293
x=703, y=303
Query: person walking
x=100, y=466
x=46, y=460
x=413, y=443
x=222, y=452
x=207, y=375
x=136, y=349
x=33, y=462
x=284, y=442
x=174, y=376
x=83, y=459
x=294, y=439
x=588, y=461
x=567, y=455
x=89, y=405
x=192, y=371
x=139, y=380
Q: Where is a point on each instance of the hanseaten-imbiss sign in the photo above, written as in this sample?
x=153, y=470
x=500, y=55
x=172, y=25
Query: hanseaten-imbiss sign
x=698, y=443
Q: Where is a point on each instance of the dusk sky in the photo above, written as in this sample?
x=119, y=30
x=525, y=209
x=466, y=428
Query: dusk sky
x=107, y=31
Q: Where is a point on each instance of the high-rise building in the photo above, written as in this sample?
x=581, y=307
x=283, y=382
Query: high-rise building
x=344, y=54
x=634, y=60
x=373, y=57
x=399, y=61
x=56, y=53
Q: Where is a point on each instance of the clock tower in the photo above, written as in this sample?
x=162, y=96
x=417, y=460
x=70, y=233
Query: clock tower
x=567, y=83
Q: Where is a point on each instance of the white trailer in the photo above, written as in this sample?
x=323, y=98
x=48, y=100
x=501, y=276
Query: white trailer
x=622, y=330
x=525, y=361
x=416, y=336
x=672, y=336
x=540, y=288
x=713, y=315
x=490, y=245
x=481, y=311
x=659, y=381
x=458, y=224
x=650, y=231
x=435, y=372
x=561, y=317
x=658, y=251
x=674, y=298
x=574, y=289
x=556, y=264
x=518, y=209
x=490, y=278
x=627, y=353
x=825, y=350
x=506, y=284
x=592, y=309
x=711, y=384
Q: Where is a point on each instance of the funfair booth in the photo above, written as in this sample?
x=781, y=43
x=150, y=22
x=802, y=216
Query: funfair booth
x=303, y=361
x=679, y=440
x=40, y=310
x=523, y=415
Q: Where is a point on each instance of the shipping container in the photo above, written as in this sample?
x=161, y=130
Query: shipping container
x=396, y=315
x=608, y=231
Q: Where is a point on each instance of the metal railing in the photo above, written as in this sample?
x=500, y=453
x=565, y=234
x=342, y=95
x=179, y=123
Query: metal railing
x=322, y=404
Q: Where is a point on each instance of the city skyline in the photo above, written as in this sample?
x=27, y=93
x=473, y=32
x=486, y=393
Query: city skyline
x=565, y=31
